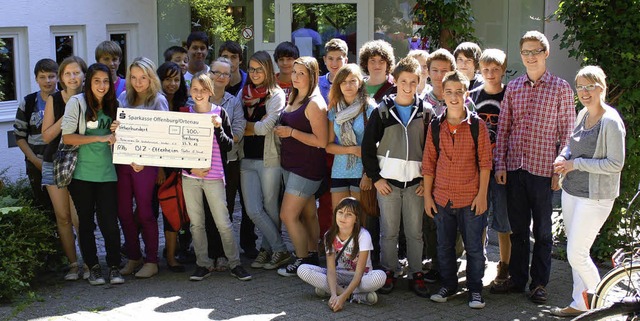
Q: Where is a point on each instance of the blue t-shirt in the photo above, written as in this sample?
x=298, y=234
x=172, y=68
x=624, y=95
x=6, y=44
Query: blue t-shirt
x=339, y=169
x=404, y=112
x=325, y=86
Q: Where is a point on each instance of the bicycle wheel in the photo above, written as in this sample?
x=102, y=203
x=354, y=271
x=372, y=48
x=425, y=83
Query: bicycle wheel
x=628, y=311
x=621, y=282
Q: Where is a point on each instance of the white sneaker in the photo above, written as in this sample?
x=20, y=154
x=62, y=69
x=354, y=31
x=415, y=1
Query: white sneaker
x=321, y=293
x=73, y=273
x=368, y=298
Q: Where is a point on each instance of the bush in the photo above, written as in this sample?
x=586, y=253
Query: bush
x=28, y=240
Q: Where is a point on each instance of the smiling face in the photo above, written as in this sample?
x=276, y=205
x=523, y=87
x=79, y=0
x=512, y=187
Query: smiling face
x=47, y=81
x=139, y=80
x=100, y=84
x=407, y=84
x=256, y=73
x=72, y=77
x=492, y=73
x=182, y=60
x=349, y=87
x=377, y=66
x=334, y=60
x=346, y=219
x=198, y=51
x=300, y=78
x=454, y=94
x=171, y=84
x=437, y=70
x=466, y=65
x=220, y=74
x=589, y=92
x=199, y=93
x=536, y=57
x=113, y=62
x=285, y=64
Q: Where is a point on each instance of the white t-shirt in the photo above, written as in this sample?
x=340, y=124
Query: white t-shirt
x=188, y=76
x=348, y=261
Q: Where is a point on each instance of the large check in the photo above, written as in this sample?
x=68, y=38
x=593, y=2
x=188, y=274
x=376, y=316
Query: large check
x=162, y=138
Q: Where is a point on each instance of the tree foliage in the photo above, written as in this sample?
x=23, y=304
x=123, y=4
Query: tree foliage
x=446, y=22
x=339, y=16
x=211, y=16
x=1, y=81
x=605, y=33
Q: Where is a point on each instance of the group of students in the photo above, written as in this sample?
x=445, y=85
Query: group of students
x=436, y=134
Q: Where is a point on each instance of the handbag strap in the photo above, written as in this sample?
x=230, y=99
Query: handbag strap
x=343, y=248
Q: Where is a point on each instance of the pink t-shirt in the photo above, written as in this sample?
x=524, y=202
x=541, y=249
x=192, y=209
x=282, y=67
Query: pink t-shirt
x=217, y=170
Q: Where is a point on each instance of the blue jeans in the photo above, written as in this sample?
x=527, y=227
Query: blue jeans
x=498, y=206
x=401, y=202
x=261, y=188
x=529, y=197
x=448, y=221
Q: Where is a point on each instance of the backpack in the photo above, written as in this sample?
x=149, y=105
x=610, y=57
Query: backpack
x=171, y=198
x=435, y=131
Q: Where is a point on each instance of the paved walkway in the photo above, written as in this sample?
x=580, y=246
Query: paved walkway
x=171, y=296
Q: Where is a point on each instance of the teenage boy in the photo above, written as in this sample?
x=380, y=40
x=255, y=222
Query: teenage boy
x=535, y=123
x=284, y=55
x=439, y=63
x=335, y=56
x=28, y=127
x=493, y=64
x=392, y=156
x=421, y=56
x=198, y=50
x=456, y=179
x=376, y=60
x=467, y=56
x=110, y=54
x=233, y=51
x=179, y=55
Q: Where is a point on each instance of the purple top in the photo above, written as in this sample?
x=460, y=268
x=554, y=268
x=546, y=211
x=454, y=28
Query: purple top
x=296, y=156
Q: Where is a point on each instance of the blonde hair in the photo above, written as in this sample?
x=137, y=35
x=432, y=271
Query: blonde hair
x=149, y=70
x=595, y=74
x=204, y=80
x=535, y=35
x=495, y=56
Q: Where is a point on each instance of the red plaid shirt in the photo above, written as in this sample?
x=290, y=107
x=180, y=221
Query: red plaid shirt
x=535, y=124
x=457, y=177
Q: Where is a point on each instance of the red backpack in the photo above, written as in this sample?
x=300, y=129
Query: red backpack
x=172, y=202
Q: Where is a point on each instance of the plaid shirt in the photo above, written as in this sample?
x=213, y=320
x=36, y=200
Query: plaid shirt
x=535, y=123
x=457, y=177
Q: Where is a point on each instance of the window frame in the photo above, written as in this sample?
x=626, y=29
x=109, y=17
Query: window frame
x=22, y=71
x=79, y=39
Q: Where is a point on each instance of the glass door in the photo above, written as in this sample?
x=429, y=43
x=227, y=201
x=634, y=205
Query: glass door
x=310, y=25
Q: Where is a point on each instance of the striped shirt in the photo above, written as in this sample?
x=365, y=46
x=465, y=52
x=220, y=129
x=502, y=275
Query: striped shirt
x=535, y=123
x=217, y=169
x=29, y=127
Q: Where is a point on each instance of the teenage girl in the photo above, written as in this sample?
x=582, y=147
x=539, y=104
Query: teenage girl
x=143, y=92
x=71, y=74
x=349, y=274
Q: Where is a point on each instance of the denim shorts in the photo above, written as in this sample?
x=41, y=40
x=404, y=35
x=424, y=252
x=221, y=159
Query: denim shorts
x=498, y=207
x=299, y=186
x=47, y=174
x=345, y=185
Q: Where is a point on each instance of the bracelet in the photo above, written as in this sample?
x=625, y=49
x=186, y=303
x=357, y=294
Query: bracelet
x=291, y=134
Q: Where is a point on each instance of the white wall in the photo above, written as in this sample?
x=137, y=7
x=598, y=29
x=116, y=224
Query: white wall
x=92, y=17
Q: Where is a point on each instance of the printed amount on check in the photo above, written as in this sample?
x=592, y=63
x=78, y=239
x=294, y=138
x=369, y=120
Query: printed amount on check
x=163, y=138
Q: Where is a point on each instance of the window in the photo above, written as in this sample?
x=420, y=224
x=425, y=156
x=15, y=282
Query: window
x=14, y=70
x=126, y=35
x=121, y=39
x=68, y=41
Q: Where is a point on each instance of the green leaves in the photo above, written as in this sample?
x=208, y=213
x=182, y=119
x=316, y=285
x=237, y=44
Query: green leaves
x=448, y=22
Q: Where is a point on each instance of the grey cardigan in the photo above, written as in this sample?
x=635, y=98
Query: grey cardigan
x=274, y=105
x=74, y=110
x=608, y=160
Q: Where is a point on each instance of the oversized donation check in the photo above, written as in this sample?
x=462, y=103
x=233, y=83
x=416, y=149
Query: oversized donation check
x=163, y=138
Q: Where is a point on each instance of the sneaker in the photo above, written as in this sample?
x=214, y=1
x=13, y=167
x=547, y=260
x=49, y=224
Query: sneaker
x=222, y=264
x=476, y=301
x=73, y=273
x=432, y=276
x=507, y=286
x=240, y=273
x=313, y=258
x=321, y=293
x=503, y=273
x=291, y=269
x=114, y=276
x=200, y=273
x=263, y=258
x=368, y=298
x=86, y=272
x=538, y=295
x=95, y=275
x=277, y=260
x=417, y=285
x=388, y=284
x=442, y=295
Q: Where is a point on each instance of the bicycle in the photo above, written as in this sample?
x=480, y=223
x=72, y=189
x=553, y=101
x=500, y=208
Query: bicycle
x=617, y=296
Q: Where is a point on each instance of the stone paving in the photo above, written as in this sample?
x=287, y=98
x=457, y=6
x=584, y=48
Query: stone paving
x=268, y=296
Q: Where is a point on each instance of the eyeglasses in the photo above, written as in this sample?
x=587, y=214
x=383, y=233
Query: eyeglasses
x=258, y=70
x=532, y=52
x=589, y=87
x=491, y=119
x=221, y=74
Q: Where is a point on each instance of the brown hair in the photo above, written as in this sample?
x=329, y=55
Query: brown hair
x=352, y=204
x=376, y=48
x=311, y=64
x=456, y=76
x=495, y=56
x=442, y=55
x=67, y=61
x=469, y=50
x=407, y=64
x=335, y=93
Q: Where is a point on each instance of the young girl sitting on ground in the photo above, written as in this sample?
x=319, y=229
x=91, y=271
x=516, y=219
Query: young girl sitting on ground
x=349, y=274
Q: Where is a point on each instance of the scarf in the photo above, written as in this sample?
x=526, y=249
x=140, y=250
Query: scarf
x=253, y=97
x=345, y=116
